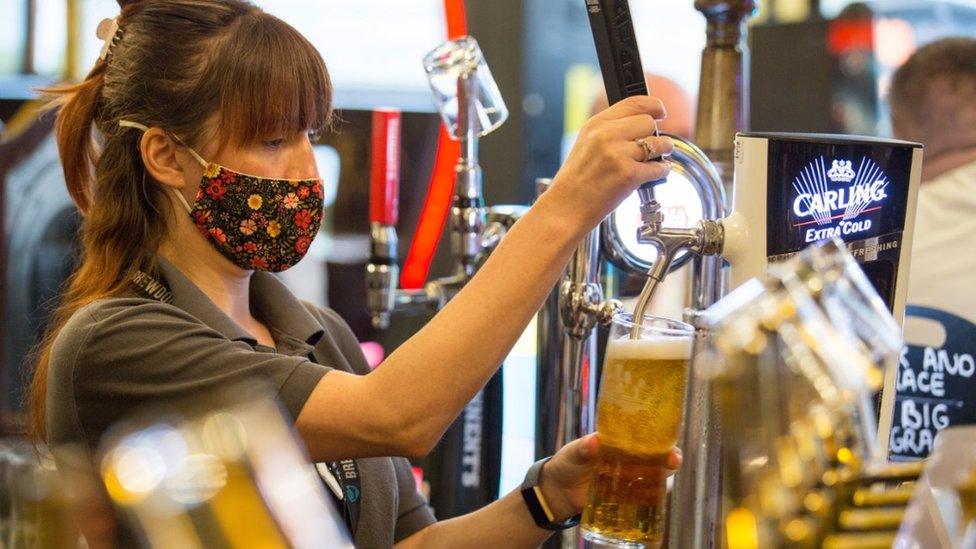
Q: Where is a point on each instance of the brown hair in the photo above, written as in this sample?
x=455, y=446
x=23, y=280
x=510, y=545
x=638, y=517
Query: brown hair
x=933, y=95
x=195, y=68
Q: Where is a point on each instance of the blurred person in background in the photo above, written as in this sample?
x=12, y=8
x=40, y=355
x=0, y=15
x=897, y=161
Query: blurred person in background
x=933, y=101
x=681, y=105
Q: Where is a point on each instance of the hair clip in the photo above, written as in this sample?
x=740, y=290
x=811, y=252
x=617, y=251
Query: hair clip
x=110, y=33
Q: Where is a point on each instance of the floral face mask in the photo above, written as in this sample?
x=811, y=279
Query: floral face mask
x=255, y=222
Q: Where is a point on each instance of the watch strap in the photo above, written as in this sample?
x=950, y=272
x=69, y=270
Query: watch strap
x=536, y=501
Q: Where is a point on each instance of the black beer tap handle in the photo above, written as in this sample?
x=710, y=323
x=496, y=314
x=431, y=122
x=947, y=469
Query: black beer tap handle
x=616, y=48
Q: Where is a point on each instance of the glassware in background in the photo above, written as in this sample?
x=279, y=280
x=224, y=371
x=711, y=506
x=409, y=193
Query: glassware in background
x=90, y=505
x=448, y=66
x=827, y=274
x=639, y=414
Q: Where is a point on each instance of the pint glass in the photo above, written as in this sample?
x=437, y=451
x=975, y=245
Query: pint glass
x=639, y=413
x=445, y=66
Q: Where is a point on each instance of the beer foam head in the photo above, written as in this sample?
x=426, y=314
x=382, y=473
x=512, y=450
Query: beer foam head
x=652, y=348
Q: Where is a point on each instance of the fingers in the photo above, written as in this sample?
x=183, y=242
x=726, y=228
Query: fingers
x=633, y=127
x=650, y=171
x=659, y=146
x=675, y=458
x=639, y=104
x=589, y=447
x=583, y=450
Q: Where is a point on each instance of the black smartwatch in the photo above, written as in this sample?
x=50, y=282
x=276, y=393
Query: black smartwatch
x=537, y=504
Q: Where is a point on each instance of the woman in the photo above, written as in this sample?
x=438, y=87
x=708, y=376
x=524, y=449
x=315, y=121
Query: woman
x=203, y=179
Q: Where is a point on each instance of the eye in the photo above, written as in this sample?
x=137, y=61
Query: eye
x=274, y=143
x=314, y=135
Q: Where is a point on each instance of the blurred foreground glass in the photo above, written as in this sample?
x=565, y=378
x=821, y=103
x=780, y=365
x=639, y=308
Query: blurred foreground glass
x=449, y=67
x=230, y=475
x=34, y=509
x=966, y=489
x=795, y=359
x=639, y=414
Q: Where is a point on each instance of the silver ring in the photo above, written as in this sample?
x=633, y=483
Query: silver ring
x=648, y=149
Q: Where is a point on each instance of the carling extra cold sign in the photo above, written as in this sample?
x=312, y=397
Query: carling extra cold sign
x=820, y=190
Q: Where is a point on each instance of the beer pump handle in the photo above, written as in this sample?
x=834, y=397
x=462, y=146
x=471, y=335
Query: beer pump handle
x=384, y=192
x=616, y=48
x=382, y=272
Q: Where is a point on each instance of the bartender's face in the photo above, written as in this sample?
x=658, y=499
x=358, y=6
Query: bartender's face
x=275, y=157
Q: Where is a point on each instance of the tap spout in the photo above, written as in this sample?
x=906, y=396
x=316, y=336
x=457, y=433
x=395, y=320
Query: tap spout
x=704, y=239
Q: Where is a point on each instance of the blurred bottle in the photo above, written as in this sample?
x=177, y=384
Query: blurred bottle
x=232, y=475
x=966, y=488
x=34, y=509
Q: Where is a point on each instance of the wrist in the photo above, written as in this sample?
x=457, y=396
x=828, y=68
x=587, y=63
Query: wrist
x=560, y=505
x=546, y=505
x=562, y=219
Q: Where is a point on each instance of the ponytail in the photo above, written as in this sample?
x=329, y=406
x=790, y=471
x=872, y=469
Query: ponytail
x=78, y=104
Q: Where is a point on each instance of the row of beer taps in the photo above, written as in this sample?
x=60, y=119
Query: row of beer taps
x=796, y=359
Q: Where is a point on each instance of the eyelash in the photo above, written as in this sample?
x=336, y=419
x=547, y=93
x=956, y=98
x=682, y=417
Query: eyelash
x=313, y=135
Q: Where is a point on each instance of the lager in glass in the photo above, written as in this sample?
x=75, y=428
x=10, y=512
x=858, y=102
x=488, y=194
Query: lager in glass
x=639, y=414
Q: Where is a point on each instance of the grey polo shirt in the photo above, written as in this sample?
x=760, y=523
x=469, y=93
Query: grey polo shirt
x=118, y=354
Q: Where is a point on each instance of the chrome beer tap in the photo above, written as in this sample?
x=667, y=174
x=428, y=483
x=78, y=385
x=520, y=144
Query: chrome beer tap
x=705, y=239
x=471, y=107
x=581, y=307
x=579, y=304
x=468, y=209
x=695, y=503
x=382, y=274
x=382, y=271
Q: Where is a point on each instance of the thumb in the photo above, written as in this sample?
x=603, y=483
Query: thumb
x=675, y=458
x=586, y=449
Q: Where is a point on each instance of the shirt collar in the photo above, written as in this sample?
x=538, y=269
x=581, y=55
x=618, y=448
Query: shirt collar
x=282, y=311
x=279, y=309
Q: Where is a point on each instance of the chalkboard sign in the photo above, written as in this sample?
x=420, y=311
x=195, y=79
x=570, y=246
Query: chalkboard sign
x=936, y=385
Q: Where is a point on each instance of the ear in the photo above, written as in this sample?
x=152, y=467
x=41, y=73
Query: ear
x=167, y=161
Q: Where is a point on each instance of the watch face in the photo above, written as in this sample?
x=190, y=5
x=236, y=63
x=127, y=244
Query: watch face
x=818, y=191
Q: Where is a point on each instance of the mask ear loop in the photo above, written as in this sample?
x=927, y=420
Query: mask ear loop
x=204, y=163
